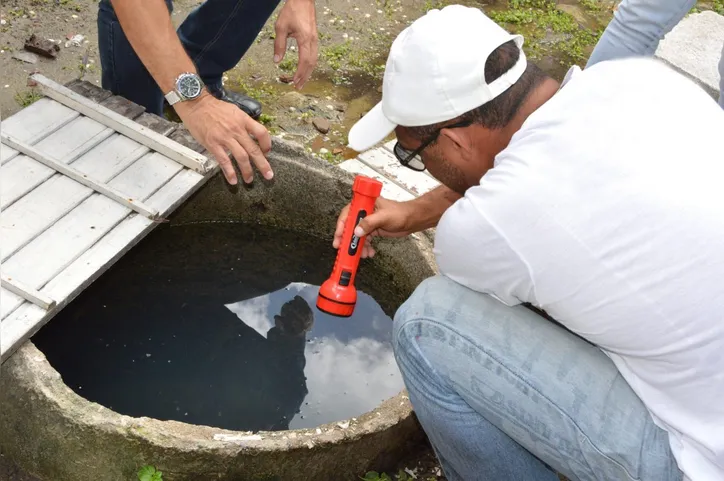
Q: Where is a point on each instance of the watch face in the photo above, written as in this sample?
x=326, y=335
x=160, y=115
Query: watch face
x=189, y=85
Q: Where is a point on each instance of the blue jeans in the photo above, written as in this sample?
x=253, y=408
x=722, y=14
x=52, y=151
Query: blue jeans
x=637, y=28
x=216, y=35
x=506, y=395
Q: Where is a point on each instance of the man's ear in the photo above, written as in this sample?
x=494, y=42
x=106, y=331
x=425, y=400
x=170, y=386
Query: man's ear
x=460, y=140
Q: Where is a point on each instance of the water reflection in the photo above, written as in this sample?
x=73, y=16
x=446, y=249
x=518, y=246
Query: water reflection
x=207, y=324
x=349, y=366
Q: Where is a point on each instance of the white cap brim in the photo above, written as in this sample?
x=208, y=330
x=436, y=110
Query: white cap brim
x=370, y=129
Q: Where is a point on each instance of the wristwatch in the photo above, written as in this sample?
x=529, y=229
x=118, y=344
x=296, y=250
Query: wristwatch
x=188, y=87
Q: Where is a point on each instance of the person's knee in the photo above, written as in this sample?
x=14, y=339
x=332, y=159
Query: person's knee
x=424, y=299
x=432, y=301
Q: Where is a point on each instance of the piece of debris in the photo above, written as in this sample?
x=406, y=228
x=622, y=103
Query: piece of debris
x=413, y=474
x=287, y=79
x=75, y=41
x=321, y=124
x=343, y=425
x=3, y=22
x=26, y=57
x=42, y=47
x=323, y=151
x=337, y=151
x=318, y=431
x=32, y=83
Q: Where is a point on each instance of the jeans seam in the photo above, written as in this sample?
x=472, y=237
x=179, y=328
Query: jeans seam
x=208, y=46
x=111, y=42
x=502, y=365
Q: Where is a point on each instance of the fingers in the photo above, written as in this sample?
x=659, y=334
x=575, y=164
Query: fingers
x=371, y=223
x=260, y=133
x=241, y=156
x=368, y=250
x=340, y=227
x=280, y=43
x=253, y=152
x=308, y=53
x=224, y=163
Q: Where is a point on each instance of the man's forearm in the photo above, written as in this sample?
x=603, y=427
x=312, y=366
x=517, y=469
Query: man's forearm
x=432, y=205
x=148, y=27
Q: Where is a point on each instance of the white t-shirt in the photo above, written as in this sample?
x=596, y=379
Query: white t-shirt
x=607, y=211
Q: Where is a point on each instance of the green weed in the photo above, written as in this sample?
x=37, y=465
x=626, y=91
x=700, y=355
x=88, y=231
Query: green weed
x=433, y=4
x=537, y=19
x=591, y=5
x=266, y=119
x=149, y=473
x=289, y=63
x=334, y=159
x=335, y=54
x=27, y=98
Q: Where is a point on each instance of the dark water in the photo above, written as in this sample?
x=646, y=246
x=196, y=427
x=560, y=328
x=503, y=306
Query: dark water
x=216, y=324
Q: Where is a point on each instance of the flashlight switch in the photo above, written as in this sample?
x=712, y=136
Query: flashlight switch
x=345, y=278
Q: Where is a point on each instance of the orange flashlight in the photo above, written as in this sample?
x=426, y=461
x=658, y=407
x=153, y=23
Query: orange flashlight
x=338, y=296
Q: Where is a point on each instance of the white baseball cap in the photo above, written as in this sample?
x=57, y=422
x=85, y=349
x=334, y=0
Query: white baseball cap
x=436, y=72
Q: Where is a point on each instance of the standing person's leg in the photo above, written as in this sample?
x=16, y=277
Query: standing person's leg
x=721, y=78
x=637, y=27
x=502, y=393
x=217, y=34
x=123, y=73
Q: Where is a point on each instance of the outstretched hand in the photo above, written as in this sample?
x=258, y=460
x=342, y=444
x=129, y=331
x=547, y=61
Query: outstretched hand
x=298, y=19
x=225, y=129
x=390, y=219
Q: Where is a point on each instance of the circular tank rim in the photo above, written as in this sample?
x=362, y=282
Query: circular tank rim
x=35, y=381
x=49, y=383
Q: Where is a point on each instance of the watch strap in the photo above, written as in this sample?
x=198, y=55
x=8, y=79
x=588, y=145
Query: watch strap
x=173, y=97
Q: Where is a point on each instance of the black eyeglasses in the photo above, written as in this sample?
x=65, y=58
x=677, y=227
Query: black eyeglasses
x=412, y=159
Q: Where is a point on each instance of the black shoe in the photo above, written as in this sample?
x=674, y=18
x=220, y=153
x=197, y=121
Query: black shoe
x=247, y=104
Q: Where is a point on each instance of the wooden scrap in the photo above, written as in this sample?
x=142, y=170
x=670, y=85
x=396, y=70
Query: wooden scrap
x=41, y=46
x=100, y=113
x=156, y=123
x=123, y=106
x=26, y=57
x=88, y=90
x=184, y=137
x=27, y=293
x=80, y=177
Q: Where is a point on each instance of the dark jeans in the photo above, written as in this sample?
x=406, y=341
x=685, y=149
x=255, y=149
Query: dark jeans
x=216, y=35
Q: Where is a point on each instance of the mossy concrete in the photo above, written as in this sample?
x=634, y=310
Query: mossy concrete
x=57, y=435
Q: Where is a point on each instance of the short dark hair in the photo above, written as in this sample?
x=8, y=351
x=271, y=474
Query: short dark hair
x=499, y=112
